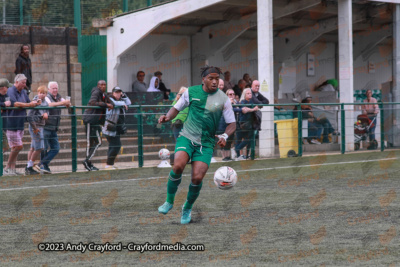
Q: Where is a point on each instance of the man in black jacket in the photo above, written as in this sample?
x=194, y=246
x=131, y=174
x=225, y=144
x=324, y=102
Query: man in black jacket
x=23, y=65
x=93, y=119
x=258, y=98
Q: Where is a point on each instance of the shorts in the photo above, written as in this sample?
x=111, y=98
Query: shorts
x=196, y=152
x=15, y=137
x=37, y=142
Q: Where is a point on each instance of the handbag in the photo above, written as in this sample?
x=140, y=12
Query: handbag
x=110, y=126
x=121, y=129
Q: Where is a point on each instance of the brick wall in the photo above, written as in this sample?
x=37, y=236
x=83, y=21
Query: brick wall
x=49, y=60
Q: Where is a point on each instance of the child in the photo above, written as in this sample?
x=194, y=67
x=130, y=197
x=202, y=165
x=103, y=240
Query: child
x=36, y=119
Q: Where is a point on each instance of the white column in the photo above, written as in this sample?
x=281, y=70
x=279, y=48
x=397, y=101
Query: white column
x=396, y=72
x=266, y=74
x=346, y=85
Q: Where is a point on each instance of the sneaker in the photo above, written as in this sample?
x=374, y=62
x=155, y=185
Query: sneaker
x=92, y=167
x=30, y=171
x=8, y=172
x=241, y=157
x=87, y=165
x=36, y=167
x=186, y=215
x=45, y=169
x=316, y=142
x=227, y=159
x=165, y=208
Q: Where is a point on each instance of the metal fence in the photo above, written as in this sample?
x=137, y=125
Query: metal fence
x=145, y=137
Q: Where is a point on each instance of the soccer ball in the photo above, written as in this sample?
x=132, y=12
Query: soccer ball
x=163, y=154
x=225, y=178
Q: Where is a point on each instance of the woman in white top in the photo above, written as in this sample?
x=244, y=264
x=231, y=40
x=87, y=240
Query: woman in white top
x=154, y=85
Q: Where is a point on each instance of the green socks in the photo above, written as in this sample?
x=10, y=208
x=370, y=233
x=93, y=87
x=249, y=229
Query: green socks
x=194, y=192
x=173, y=182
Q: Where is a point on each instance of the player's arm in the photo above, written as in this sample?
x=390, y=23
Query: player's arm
x=169, y=116
x=182, y=103
x=229, y=117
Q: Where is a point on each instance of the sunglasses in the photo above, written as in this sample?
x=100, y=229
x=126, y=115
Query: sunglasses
x=231, y=94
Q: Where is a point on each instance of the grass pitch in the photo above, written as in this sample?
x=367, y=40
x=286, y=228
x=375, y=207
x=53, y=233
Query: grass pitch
x=313, y=211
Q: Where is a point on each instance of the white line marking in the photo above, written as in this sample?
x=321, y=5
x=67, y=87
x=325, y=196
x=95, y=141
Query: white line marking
x=152, y=178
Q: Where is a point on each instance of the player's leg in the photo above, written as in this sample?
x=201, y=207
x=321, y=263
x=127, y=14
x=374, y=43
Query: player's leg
x=199, y=170
x=200, y=162
x=184, y=148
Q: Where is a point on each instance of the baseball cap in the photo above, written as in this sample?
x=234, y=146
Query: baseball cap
x=5, y=83
x=116, y=89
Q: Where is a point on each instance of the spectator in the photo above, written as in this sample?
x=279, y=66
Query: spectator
x=36, y=119
x=177, y=122
x=246, y=120
x=153, y=85
x=93, y=119
x=247, y=79
x=227, y=81
x=139, y=85
x=316, y=126
x=51, y=144
x=4, y=102
x=239, y=87
x=258, y=98
x=221, y=85
x=23, y=65
x=328, y=86
x=222, y=126
x=115, y=125
x=161, y=85
x=371, y=110
x=15, y=120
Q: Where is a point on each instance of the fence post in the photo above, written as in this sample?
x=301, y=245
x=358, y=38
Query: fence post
x=300, y=130
x=343, y=126
x=1, y=145
x=140, y=137
x=149, y=2
x=382, y=111
x=125, y=6
x=21, y=12
x=74, y=140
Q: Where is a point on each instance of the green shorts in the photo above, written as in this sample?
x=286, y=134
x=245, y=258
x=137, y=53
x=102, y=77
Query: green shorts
x=196, y=152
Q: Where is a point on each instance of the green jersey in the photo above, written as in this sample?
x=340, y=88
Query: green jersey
x=205, y=111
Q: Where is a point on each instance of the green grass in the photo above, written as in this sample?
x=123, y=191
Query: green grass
x=279, y=213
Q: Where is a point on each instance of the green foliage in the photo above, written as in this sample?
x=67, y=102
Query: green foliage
x=60, y=13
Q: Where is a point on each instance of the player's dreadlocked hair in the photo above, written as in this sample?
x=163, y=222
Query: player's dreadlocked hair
x=209, y=69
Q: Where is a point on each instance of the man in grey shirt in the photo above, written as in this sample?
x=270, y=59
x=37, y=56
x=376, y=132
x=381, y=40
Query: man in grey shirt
x=139, y=85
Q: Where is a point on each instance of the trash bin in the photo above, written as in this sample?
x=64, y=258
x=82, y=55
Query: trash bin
x=288, y=137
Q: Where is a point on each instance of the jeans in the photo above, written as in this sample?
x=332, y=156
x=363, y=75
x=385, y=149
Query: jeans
x=372, y=129
x=51, y=146
x=247, y=136
x=114, y=146
x=318, y=127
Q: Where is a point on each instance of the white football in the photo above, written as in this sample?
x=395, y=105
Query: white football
x=164, y=154
x=225, y=178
